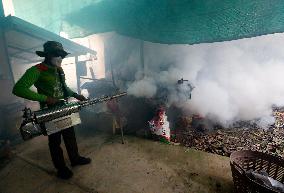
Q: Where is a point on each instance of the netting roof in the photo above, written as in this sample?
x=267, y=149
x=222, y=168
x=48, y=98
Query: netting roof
x=162, y=21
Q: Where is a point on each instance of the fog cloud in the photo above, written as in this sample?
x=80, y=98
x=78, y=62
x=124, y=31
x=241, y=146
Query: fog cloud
x=236, y=80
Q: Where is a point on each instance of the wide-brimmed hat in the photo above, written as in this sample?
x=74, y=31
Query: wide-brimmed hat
x=52, y=48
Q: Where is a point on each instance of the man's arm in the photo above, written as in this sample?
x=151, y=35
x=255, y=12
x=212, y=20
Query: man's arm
x=22, y=87
x=74, y=94
x=70, y=93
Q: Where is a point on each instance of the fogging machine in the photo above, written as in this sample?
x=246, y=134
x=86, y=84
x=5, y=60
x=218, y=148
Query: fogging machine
x=54, y=119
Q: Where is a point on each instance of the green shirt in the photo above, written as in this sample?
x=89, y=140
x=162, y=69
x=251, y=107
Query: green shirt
x=46, y=79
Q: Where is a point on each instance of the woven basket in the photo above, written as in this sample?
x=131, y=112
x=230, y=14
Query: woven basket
x=242, y=161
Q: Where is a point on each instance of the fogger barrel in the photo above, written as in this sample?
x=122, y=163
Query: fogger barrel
x=51, y=120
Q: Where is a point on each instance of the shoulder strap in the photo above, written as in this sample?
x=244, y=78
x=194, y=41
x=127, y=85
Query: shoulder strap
x=62, y=80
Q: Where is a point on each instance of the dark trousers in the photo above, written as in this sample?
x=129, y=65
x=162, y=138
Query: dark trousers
x=54, y=141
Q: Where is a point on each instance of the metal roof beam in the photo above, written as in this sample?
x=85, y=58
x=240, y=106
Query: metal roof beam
x=23, y=58
x=20, y=49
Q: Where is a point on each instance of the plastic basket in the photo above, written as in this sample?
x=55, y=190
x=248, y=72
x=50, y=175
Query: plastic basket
x=242, y=161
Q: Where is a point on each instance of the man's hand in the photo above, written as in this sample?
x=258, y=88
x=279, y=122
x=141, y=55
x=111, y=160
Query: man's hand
x=51, y=101
x=80, y=97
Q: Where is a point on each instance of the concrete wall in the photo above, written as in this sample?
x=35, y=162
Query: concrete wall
x=8, y=102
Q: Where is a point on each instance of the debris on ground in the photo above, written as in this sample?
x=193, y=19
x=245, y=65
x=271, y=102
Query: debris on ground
x=244, y=136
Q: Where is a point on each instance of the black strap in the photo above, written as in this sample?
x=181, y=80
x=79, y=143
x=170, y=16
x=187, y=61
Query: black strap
x=62, y=81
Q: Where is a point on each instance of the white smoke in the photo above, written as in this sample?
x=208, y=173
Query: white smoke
x=143, y=88
x=236, y=80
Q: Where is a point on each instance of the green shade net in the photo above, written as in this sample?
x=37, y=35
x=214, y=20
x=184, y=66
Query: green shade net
x=165, y=21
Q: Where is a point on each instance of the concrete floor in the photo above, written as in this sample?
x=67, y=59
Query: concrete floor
x=138, y=166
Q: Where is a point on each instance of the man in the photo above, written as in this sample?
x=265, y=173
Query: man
x=48, y=77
